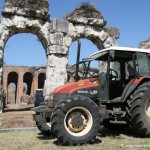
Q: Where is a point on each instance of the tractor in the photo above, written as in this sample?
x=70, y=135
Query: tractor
x=118, y=94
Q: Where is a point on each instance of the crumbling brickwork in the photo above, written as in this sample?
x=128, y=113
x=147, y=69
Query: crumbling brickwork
x=55, y=35
x=19, y=76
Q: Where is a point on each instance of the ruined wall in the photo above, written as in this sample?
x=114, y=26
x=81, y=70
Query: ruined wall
x=55, y=35
x=15, y=86
x=145, y=44
x=19, y=75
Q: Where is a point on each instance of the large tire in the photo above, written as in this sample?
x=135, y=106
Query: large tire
x=138, y=110
x=76, y=120
x=43, y=124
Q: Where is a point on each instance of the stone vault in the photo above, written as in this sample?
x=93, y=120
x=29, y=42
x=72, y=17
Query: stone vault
x=56, y=36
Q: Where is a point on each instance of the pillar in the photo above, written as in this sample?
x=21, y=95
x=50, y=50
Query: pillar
x=35, y=83
x=5, y=86
x=19, y=88
x=56, y=72
x=1, y=90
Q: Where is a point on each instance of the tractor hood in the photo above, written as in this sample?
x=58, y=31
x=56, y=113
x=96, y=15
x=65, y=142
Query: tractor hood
x=75, y=86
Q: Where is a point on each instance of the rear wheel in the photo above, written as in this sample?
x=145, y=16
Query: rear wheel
x=138, y=110
x=76, y=120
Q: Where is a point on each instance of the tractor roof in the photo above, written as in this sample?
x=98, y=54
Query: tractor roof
x=122, y=51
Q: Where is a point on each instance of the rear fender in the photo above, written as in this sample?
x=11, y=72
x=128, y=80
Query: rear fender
x=131, y=86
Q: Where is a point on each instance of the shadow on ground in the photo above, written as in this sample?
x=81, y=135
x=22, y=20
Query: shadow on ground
x=58, y=143
x=44, y=137
x=104, y=132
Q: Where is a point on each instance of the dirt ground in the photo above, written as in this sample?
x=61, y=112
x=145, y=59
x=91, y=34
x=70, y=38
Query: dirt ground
x=17, y=118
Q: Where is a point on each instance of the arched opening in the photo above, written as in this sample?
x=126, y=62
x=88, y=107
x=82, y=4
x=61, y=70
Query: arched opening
x=12, y=83
x=87, y=48
x=26, y=48
x=28, y=83
x=25, y=51
x=41, y=80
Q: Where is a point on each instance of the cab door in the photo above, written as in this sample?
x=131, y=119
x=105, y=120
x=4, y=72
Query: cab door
x=103, y=82
x=142, y=64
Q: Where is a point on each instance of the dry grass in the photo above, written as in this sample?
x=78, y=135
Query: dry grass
x=86, y=10
x=34, y=141
x=30, y=4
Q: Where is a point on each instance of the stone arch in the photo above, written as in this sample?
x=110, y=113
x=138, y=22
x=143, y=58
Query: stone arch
x=55, y=35
x=12, y=83
x=19, y=24
x=63, y=33
x=28, y=80
x=41, y=80
x=102, y=37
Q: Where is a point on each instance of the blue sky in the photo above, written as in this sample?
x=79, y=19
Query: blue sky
x=131, y=17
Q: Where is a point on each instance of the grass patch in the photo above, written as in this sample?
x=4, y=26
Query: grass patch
x=34, y=141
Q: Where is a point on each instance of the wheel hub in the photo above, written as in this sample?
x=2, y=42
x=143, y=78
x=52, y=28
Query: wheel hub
x=148, y=113
x=77, y=122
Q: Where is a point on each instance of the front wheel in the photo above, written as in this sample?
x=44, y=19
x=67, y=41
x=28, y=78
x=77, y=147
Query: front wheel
x=76, y=120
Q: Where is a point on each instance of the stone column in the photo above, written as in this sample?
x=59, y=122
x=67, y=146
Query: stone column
x=58, y=43
x=56, y=72
x=5, y=87
x=1, y=77
x=35, y=83
x=19, y=88
x=1, y=90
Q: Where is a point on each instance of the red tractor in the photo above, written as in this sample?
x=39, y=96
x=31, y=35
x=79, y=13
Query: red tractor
x=118, y=94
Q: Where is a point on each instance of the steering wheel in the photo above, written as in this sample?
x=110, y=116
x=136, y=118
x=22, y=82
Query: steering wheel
x=113, y=74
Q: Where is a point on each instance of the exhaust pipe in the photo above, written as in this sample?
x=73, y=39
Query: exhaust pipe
x=77, y=78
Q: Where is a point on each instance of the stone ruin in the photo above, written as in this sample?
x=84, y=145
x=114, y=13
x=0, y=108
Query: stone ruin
x=21, y=82
x=145, y=44
x=56, y=36
x=27, y=8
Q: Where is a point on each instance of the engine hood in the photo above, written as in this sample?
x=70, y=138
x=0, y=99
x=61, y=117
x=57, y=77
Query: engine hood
x=74, y=86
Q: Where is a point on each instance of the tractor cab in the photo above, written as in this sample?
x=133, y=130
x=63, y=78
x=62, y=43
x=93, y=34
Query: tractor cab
x=119, y=68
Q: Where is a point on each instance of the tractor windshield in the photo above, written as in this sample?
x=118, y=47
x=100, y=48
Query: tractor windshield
x=87, y=69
